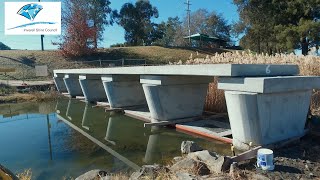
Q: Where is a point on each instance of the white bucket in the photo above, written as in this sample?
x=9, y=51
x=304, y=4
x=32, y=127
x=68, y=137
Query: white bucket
x=265, y=159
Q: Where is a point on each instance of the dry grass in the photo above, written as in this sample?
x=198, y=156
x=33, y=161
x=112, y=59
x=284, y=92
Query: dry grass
x=308, y=65
x=29, y=97
x=25, y=175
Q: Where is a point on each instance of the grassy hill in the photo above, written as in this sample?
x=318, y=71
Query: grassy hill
x=25, y=60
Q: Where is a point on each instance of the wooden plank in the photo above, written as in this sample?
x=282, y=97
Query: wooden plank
x=185, y=120
x=252, y=153
x=225, y=133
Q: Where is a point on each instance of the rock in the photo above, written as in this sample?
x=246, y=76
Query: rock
x=96, y=174
x=177, y=159
x=219, y=178
x=214, y=163
x=185, y=176
x=151, y=171
x=311, y=175
x=196, y=166
x=259, y=177
x=189, y=146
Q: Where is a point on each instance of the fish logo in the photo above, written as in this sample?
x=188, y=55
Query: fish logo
x=30, y=11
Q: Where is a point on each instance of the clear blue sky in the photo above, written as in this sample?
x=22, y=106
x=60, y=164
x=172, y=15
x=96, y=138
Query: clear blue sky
x=115, y=34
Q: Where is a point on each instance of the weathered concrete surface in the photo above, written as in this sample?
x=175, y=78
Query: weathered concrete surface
x=230, y=70
x=270, y=84
x=73, y=86
x=123, y=90
x=92, y=88
x=266, y=118
x=175, y=97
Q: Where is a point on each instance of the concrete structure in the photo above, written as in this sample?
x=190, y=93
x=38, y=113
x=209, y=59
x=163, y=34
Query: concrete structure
x=59, y=82
x=123, y=90
x=260, y=105
x=175, y=97
x=267, y=110
x=73, y=86
x=92, y=88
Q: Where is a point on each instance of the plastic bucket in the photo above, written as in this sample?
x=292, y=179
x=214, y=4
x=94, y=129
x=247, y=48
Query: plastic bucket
x=265, y=159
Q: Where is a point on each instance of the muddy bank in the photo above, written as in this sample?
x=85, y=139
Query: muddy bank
x=39, y=96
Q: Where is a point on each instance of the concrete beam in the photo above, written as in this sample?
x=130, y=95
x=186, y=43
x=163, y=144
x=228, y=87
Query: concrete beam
x=92, y=88
x=60, y=85
x=230, y=70
x=265, y=111
x=73, y=86
x=123, y=90
x=270, y=84
x=175, y=97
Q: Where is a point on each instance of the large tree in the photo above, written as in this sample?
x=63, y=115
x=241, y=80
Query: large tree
x=136, y=21
x=172, y=32
x=278, y=26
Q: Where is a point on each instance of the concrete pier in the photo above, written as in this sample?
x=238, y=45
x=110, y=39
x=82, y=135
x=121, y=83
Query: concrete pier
x=73, y=86
x=58, y=81
x=92, y=88
x=123, y=90
x=175, y=97
x=267, y=110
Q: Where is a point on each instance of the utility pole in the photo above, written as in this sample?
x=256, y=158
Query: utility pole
x=188, y=16
x=41, y=36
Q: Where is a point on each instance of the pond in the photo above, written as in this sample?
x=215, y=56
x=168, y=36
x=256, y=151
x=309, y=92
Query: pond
x=65, y=138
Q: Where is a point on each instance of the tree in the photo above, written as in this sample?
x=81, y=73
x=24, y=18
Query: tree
x=279, y=26
x=172, y=32
x=83, y=22
x=4, y=47
x=136, y=21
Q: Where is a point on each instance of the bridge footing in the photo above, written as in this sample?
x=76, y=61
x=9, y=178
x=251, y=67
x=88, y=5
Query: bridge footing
x=124, y=90
x=175, y=97
x=58, y=81
x=92, y=88
x=73, y=86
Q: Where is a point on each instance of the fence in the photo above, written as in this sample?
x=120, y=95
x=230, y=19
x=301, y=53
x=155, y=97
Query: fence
x=26, y=71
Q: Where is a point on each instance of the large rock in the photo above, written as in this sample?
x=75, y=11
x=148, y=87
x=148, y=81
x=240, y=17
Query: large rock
x=215, y=163
x=189, y=164
x=149, y=171
x=96, y=174
x=189, y=146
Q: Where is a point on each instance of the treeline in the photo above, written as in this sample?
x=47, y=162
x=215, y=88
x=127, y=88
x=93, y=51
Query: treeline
x=270, y=26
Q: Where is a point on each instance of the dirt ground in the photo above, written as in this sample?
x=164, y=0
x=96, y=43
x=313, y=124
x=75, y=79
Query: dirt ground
x=300, y=160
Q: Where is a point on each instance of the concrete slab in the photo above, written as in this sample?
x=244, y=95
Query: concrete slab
x=92, y=88
x=270, y=84
x=230, y=70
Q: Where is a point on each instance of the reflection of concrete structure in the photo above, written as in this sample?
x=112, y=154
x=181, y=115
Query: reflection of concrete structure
x=58, y=80
x=176, y=92
x=92, y=88
x=74, y=109
x=123, y=90
x=85, y=117
x=73, y=86
x=152, y=149
x=110, y=131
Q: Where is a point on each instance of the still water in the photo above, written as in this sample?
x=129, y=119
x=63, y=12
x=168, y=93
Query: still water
x=65, y=138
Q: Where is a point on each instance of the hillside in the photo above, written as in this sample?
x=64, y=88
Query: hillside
x=25, y=60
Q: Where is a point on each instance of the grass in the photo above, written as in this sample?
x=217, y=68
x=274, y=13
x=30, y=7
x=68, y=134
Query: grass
x=25, y=60
x=39, y=96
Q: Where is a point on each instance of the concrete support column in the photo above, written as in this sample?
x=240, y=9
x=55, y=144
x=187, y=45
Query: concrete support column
x=175, y=97
x=73, y=86
x=123, y=90
x=60, y=85
x=92, y=88
x=267, y=110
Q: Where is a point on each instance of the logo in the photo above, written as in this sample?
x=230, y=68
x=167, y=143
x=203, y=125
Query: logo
x=33, y=18
x=30, y=11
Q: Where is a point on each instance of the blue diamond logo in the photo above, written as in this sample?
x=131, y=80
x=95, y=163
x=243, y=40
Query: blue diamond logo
x=30, y=11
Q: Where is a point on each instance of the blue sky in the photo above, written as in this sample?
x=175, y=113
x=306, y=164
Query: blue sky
x=115, y=34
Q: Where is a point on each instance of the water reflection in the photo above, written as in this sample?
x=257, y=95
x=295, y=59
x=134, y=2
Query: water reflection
x=128, y=137
x=69, y=137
